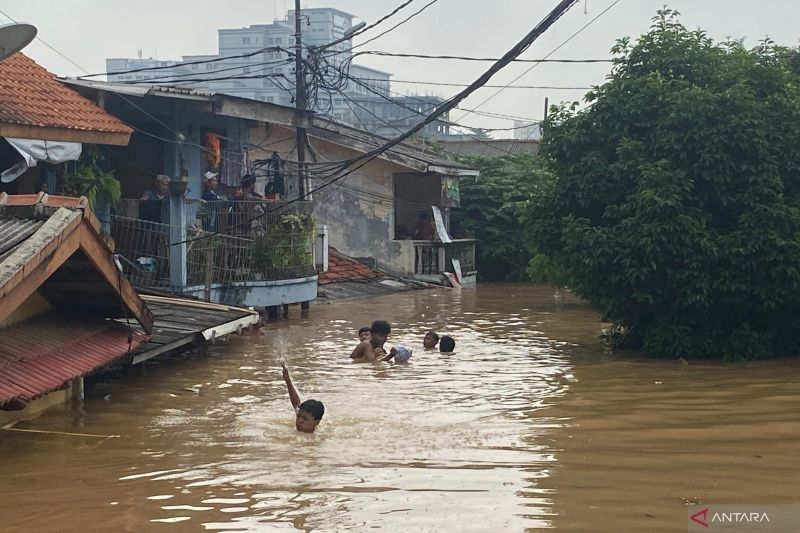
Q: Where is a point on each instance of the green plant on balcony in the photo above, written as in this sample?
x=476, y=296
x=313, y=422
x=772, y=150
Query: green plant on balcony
x=286, y=243
x=86, y=178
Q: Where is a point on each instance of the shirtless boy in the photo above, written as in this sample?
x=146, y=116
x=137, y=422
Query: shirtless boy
x=372, y=349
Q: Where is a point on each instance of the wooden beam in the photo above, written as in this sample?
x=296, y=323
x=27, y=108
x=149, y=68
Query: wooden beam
x=45, y=133
x=232, y=106
x=99, y=254
x=37, y=273
x=36, y=249
x=25, y=270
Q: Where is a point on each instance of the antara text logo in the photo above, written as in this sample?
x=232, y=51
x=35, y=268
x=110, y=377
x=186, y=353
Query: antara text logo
x=744, y=518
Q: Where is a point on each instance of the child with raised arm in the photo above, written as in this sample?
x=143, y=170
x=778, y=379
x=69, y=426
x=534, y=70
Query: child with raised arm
x=308, y=413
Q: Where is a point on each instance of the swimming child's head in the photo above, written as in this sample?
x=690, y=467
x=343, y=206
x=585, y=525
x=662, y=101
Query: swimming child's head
x=447, y=344
x=309, y=414
x=363, y=334
x=430, y=340
x=379, y=332
x=401, y=354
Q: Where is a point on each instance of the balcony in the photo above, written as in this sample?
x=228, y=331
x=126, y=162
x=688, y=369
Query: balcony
x=432, y=258
x=233, y=250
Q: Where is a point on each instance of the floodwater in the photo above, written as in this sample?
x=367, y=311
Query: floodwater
x=531, y=424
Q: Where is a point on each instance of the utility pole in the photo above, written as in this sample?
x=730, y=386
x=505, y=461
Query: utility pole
x=299, y=97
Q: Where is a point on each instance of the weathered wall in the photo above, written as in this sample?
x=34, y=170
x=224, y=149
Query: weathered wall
x=359, y=210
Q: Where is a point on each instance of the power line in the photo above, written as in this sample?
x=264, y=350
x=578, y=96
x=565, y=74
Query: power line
x=46, y=43
x=184, y=63
x=467, y=58
x=553, y=51
x=423, y=8
x=170, y=78
x=443, y=84
x=347, y=167
x=367, y=28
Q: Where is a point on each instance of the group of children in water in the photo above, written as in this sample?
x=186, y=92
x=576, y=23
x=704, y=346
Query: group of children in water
x=370, y=349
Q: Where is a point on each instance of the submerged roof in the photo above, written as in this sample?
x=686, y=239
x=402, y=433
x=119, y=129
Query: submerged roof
x=55, y=246
x=45, y=353
x=342, y=268
x=33, y=105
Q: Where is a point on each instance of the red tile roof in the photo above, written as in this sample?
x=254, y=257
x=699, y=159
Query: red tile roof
x=44, y=354
x=31, y=96
x=342, y=268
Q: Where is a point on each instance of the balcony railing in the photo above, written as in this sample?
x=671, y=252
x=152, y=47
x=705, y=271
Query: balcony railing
x=431, y=258
x=227, y=242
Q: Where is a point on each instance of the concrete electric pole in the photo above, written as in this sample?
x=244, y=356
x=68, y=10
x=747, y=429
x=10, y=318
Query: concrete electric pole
x=299, y=97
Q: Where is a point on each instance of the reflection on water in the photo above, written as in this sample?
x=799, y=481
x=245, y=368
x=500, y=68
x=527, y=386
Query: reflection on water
x=530, y=424
x=208, y=440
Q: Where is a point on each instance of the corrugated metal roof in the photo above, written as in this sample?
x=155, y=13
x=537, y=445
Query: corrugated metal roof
x=489, y=147
x=14, y=231
x=44, y=354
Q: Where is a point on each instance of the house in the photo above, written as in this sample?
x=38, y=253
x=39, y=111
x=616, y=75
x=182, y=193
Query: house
x=43, y=121
x=60, y=288
x=371, y=213
x=237, y=253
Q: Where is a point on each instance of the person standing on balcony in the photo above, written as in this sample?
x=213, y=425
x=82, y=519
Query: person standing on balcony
x=161, y=189
x=154, y=205
x=211, y=183
x=424, y=230
x=247, y=191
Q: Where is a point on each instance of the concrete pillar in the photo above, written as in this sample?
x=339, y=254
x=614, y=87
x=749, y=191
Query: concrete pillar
x=76, y=390
x=285, y=310
x=305, y=305
x=321, y=249
x=177, y=234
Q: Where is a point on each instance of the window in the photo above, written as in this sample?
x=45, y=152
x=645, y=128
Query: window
x=246, y=70
x=195, y=67
x=245, y=40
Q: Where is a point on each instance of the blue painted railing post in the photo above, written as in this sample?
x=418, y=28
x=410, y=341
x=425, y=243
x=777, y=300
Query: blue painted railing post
x=177, y=234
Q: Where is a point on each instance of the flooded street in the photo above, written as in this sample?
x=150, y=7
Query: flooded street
x=530, y=424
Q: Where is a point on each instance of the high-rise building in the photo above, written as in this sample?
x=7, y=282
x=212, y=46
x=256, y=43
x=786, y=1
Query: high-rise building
x=257, y=62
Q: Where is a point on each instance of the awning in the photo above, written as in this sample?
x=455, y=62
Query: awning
x=44, y=354
x=32, y=151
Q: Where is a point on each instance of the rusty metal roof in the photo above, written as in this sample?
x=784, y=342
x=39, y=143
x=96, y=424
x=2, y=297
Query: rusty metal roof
x=46, y=353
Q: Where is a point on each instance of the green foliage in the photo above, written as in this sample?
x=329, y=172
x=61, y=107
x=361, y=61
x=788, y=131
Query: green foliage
x=491, y=207
x=285, y=244
x=86, y=178
x=676, y=210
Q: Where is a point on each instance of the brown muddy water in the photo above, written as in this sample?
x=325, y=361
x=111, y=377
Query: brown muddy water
x=531, y=424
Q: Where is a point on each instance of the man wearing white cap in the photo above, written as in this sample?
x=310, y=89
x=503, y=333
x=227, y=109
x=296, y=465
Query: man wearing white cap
x=211, y=183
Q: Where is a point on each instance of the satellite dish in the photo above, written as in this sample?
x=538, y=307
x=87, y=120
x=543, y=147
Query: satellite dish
x=15, y=37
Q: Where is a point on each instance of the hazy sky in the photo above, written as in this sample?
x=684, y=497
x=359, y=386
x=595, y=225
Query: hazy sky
x=89, y=31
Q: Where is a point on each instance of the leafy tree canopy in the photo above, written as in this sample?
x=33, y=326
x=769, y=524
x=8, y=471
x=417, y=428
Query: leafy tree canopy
x=676, y=209
x=490, y=211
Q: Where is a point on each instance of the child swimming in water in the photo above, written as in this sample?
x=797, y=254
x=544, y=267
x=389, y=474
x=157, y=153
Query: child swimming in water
x=447, y=344
x=430, y=340
x=363, y=334
x=308, y=414
x=372, y=349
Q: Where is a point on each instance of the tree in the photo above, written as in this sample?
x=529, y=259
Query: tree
x=676, y=209
x=490, y=212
